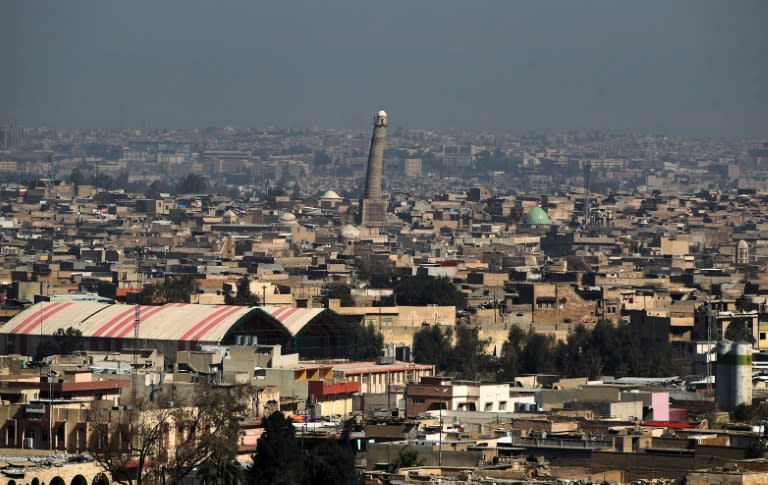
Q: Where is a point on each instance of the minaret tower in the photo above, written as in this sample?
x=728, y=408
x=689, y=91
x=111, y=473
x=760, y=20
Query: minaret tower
x=373, y=210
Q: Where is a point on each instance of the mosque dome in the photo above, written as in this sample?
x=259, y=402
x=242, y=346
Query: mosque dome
x=742, y=244
x=350, y=232
x=330, y=194
x=537, y=217
x=288, y=218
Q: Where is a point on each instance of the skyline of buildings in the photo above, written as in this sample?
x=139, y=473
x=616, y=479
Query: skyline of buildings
x=675, y=248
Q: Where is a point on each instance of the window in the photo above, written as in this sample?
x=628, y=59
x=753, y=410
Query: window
x=762, y=335
x=418, y=401
x=488, y=407
x=502, y=405
x=543, y=304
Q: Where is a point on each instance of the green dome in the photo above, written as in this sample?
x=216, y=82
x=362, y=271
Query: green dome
x=537, y=217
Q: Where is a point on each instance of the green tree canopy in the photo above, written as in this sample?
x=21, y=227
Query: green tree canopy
x=619, y=351
x=77, y=177
x=192, y=184
x=340, y=292
x=432, y=345
x=331, y=462
x=417, y=291
x=370, y=342
x=174, y=289
x=279, y=459
x=63, y=342
x=468, y=357
x=243, y=297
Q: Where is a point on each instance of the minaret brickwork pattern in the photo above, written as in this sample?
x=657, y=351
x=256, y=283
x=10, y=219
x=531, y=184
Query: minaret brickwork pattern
x=373, y=210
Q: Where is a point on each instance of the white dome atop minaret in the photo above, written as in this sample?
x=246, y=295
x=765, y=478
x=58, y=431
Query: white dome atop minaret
x=382, y=113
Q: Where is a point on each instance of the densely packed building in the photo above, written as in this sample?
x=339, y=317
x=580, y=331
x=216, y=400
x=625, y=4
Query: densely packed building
x=545, y=234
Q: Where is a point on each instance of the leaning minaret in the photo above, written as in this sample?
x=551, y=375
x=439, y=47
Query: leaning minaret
x=373, y=210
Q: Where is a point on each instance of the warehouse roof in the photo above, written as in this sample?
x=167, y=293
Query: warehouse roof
x=173, y=321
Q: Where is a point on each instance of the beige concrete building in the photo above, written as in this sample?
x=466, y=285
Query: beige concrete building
x=398, y=324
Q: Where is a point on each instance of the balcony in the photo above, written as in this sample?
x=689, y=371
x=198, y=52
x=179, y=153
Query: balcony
x=561, y=443
x=321, y=389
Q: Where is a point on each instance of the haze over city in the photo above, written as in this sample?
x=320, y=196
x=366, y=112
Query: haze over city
x=311, y=243
x=689, y=68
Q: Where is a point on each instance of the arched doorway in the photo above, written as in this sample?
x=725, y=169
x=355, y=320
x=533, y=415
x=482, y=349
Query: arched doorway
x=58, y=481
x=100, y=479
x=79, y=480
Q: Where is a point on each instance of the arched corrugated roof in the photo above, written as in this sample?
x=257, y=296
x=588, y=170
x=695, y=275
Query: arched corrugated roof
x=174, y=321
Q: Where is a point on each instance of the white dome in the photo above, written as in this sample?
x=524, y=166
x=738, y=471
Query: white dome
x=330, y=194
x=287, y=218
x=350, y=232
x=382, y=113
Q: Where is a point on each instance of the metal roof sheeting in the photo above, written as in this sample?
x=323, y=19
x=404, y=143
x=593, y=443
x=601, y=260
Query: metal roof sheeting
x=174, y=321
x=293, y=319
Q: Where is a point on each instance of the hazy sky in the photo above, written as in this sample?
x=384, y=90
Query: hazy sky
x=695, y=67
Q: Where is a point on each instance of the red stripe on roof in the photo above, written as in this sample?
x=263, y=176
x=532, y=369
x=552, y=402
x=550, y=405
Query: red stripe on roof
x=45, y=315
x=277, y=311
x=104, y=328
x=34, y=315
x=214, y=323
x=198, y=325
x=125, y=328
x=287, y=314
x=123, y=321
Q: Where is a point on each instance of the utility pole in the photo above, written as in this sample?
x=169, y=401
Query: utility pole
x=136, y=323
x=587, y=204
x=442, y=391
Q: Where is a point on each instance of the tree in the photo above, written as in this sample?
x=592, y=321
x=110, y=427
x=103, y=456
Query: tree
x=101, y=180
x=511, y=351
x=331, y=462
x=76, y=177
x=63, y=342
x=619, y=351
x=69, y=340
x=125, y=442
x=468, y=356
x=137, y=444
x=210, y=438
x=174, y=289
x=278, y=459
x=243, y=295
x=192, y=184
x=432, y=345
x=340, y=292
x=408, y=457
x=220, y=469
x=537, y=353
x=429, y=291
x=526, y=353
x=370, y=342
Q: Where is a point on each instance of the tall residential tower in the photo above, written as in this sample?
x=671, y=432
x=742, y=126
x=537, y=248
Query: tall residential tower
x=373, y=209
